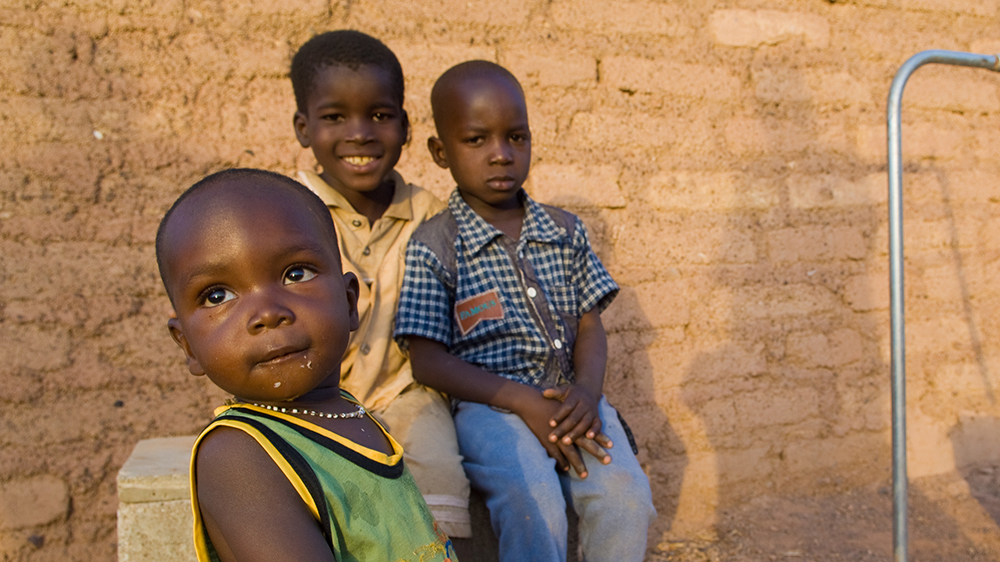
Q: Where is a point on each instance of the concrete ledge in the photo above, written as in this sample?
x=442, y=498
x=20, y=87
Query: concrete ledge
x=155, y=521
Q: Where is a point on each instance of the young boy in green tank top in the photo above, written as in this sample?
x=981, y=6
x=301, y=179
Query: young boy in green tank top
x=293, y=468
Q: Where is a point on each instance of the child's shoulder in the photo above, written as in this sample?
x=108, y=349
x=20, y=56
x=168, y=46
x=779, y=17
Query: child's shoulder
x=423, y=202
x=563, y=218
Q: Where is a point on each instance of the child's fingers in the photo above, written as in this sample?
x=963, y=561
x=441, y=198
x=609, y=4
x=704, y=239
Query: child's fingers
x=595, y=428
x=572, y=455
x=560, y=416
x=595, y=449
x=556, y=393
x=580, y=429
x=603, y=440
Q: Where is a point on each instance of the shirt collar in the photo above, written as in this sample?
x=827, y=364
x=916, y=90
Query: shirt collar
x=401, y=206
x=476, y=232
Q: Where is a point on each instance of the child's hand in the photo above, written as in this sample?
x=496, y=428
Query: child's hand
x=577, y=417
x=536, y=414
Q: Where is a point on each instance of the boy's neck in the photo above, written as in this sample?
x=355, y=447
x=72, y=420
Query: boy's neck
x=507, y=217
x=372, y=204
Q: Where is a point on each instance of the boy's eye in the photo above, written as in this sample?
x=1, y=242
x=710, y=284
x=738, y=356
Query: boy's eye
x=217, y=296
x=333, y=117
x=381, y=116
x=519, y=137
x=474, y=141
x=298, y=274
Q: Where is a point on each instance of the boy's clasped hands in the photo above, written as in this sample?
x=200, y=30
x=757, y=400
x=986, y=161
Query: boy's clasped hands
x=573, y=424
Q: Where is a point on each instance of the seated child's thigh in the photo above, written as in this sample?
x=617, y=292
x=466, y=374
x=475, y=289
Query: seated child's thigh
x=420, y=419
x=498, y=445
x=623, y=481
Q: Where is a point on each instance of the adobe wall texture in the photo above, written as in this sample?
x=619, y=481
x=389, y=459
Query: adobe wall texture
x=728, y=158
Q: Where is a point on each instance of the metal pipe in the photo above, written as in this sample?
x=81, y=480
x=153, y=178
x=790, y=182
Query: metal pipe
x=899, y=480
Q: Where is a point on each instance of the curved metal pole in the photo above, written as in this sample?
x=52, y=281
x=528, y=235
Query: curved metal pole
x=899, y=480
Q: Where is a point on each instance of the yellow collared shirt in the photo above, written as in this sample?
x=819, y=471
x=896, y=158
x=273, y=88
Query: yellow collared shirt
x=374, y=369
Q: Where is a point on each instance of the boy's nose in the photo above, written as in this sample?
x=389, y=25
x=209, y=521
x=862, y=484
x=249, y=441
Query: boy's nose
x=360, y=130
x=269, y=313
x=501, y=153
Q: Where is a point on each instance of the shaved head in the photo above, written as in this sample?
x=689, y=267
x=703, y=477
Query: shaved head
x=221, y=190
x=464, y=79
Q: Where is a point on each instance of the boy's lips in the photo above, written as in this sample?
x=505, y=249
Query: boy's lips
x=502, y=183
x=283, y=353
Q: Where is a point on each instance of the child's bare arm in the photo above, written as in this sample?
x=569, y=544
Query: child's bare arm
x=435, y=367
x=578, y=416
x=251, y=511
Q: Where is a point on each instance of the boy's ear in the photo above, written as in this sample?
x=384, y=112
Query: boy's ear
x=436, y=147
x=301, y=130
x=351, y=283
x=174, y=325
x=406, y=127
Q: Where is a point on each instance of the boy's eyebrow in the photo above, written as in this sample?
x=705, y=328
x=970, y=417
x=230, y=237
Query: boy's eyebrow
x=210, y=268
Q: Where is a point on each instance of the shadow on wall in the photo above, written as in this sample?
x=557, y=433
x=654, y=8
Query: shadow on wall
x=629, y=384
x=977, y=457
x=794, y=400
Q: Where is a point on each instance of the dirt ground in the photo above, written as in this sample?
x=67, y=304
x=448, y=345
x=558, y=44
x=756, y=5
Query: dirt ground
x=953, y=517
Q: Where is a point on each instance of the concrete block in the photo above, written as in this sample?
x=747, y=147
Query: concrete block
x=36, y=500
x=664, y=303
x=752, y=28
x=709, y=191
x=567, y=185
x=775, y=407
x=816, y=244
x=634, y=74
x=984, y=8
x=828, y=190
x=607, y=128
x=745, y=136
x=632, y=17
x=816, y=86
x=34, y=347
x=951, y=89
x=868, y=292
x=158, y=531
x=551, y=68
x=157, y=471
x=942, y=333
x=787, y=300
x=835, y=349
x=423, y=63
x=482, y=12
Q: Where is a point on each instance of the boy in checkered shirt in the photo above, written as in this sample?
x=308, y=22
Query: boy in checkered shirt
x=500, y=308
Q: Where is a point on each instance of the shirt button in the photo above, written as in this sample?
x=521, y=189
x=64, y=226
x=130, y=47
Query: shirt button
x=366, y=251
x=557, y=344
x=365, y=349
x=532, y=292
x=356, y=222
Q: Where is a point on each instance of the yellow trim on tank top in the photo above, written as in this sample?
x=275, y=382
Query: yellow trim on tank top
x=372, y=454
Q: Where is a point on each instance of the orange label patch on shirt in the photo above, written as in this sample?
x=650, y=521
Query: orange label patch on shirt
x=473, y=310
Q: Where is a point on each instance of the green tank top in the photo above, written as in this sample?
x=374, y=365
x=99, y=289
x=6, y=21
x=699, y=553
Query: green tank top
x=366, y=501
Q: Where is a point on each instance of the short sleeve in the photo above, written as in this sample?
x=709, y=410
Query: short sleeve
x=593, y=283
x=424, y=301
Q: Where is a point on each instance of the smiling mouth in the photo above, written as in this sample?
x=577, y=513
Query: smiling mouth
x=358, y=160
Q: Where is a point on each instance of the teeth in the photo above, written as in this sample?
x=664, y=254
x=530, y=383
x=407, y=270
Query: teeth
x=358, y=160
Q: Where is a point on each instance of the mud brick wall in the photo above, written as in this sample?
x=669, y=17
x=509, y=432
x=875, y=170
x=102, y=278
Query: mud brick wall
x=728, y=158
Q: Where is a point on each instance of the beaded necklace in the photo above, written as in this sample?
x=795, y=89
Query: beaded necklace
x=360, y=412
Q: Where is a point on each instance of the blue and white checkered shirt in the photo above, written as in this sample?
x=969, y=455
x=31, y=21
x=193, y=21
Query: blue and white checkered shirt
x=511, y=308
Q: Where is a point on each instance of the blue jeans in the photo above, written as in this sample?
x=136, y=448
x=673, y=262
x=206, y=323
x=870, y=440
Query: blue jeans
x=527, y=495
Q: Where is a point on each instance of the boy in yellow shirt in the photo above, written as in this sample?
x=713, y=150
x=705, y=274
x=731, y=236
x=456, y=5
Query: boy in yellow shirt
x=349, y=95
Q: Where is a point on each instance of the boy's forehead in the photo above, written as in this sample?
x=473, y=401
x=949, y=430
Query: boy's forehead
x=231, y=207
